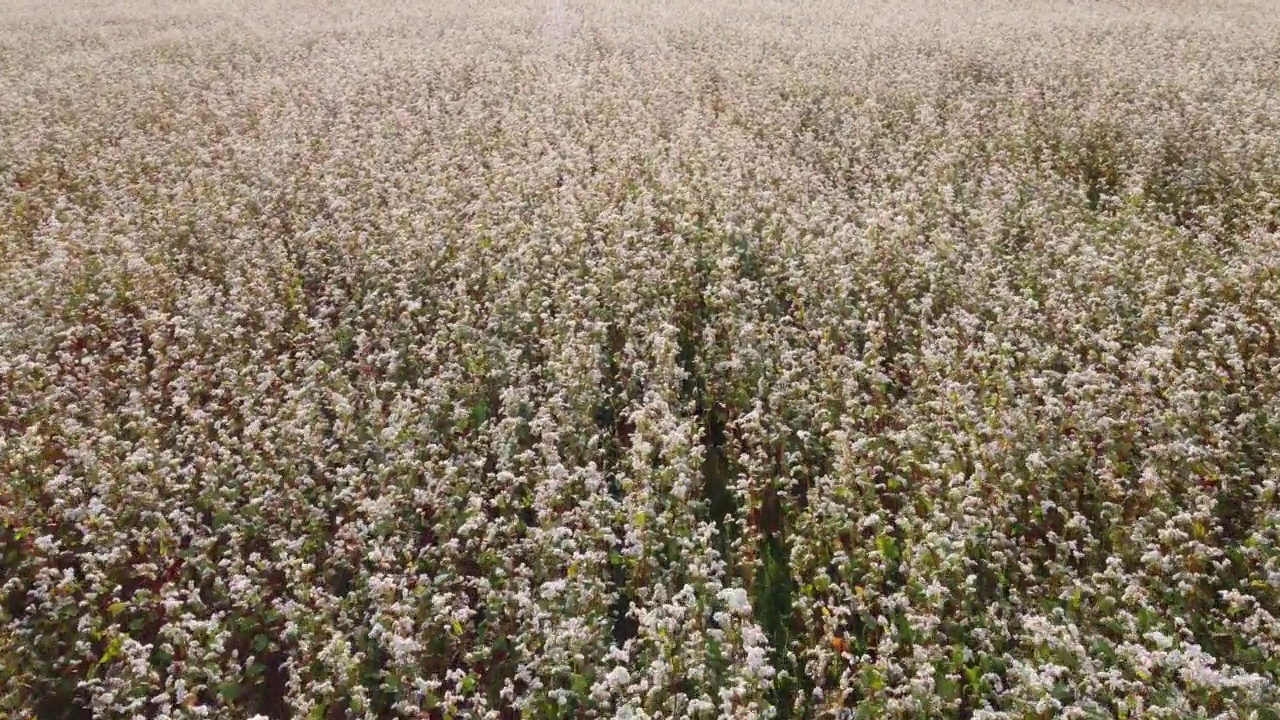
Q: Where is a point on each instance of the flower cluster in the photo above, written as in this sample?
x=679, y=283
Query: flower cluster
x=652, y=360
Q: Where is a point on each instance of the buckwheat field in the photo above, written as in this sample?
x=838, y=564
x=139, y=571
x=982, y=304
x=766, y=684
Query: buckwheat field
x=639, y=359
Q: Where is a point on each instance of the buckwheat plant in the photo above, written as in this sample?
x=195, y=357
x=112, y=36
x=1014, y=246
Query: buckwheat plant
x=653, y=360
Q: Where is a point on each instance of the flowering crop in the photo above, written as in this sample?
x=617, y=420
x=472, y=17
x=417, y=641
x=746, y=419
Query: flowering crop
x=598, y=358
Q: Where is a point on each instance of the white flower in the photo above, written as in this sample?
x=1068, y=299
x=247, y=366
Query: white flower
x=1162, y=641
x=736, y=600
x=618, y=677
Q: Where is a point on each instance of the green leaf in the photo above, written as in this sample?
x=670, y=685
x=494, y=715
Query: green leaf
x=260, y=643
x=229, y=691
x=112, y=651
x=887, y=547
x=479, y=413
x=875, y=680
x=974, y=675
x=116, y=608
x=1103, y=649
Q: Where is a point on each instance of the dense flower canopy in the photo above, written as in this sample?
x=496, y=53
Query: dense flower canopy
x=639, y=359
